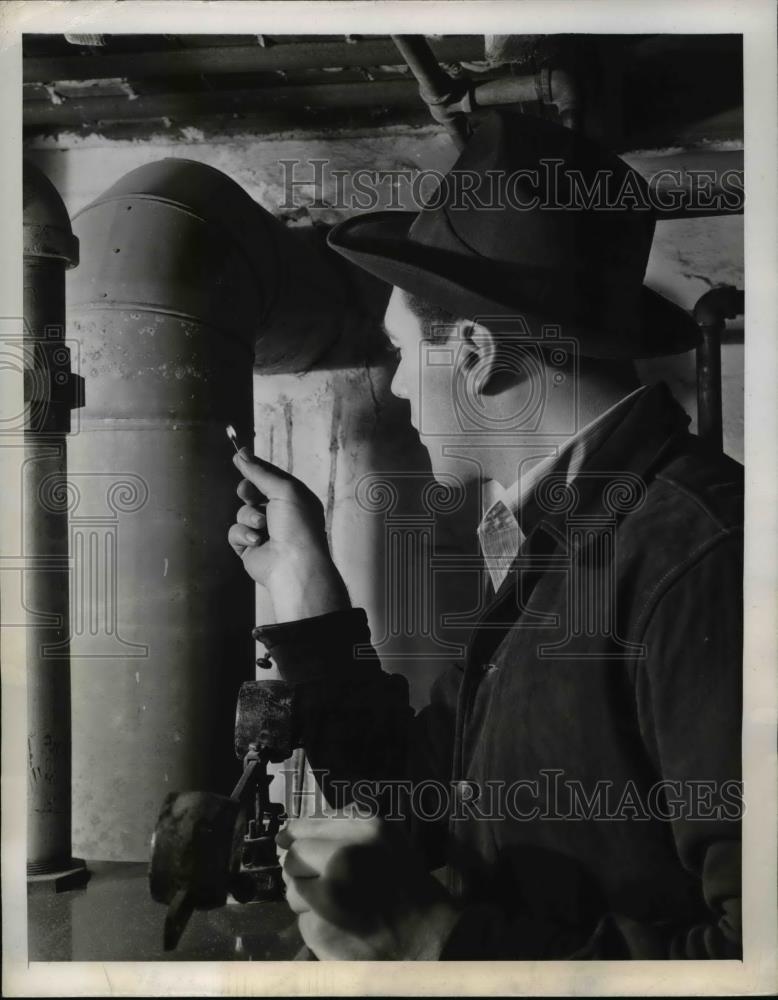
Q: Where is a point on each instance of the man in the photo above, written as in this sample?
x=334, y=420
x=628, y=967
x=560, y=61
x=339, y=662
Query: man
x=592, y=735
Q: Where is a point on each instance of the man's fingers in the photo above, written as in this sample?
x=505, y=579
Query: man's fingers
x=332, y=943
x=241, y=537
x=234, y=539
x=250, y=517
x=296, y=902
x=341, y=827
x=273, y=482
x=315, y=895
x=309, y=858
x=250, y=494
x=314, y=931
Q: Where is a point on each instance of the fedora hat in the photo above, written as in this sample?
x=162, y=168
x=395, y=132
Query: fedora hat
x=533, y=220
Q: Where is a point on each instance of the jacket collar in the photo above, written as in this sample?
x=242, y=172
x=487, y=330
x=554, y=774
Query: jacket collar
x=511, y=513
x=629, y=453
x=648, y=430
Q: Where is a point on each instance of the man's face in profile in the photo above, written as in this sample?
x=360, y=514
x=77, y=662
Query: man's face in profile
x=467, y=398
x=426, y=377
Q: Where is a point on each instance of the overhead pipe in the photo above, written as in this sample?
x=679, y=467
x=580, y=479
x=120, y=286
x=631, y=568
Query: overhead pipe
x=451, y=100
x=442, y=94
x=51, y=390
x=710, y=313
x=238, y=59
x=548, y=86
x=396, y=94
x=185, y=283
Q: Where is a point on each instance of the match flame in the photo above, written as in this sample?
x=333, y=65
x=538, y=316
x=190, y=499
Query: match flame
x=232, y=435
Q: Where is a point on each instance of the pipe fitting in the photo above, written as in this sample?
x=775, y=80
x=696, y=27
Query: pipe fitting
x=440, y=92
x=564, y=93
x=51, y=390
x=46, y=224
x=548, y=86
x=718, y=305
x=710, y=313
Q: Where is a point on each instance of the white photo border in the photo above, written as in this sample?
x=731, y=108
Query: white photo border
x=757, y=974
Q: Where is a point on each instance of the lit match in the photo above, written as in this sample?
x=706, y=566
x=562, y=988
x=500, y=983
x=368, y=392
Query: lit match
x=232, y=436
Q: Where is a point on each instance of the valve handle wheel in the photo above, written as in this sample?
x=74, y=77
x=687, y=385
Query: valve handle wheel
x=195, y=855
x=207, y=845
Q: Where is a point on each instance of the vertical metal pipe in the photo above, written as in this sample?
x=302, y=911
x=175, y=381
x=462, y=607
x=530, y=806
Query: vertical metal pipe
x=164, y=307
x=50, y=392
x=710, y=311
x=709, y=415
x=46, y=601
x=184, y=283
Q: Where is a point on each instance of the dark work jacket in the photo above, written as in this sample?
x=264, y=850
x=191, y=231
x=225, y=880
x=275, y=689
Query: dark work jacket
x=600, y=696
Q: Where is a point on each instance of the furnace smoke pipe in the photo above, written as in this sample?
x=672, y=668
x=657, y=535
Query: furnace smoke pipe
x=50, y=392
x=185, y=283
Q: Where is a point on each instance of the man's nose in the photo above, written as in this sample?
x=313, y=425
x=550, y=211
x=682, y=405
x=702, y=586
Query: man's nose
x=397, y=385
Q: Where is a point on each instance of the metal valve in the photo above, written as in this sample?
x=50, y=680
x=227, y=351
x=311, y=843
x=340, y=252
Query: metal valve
x=205, y=845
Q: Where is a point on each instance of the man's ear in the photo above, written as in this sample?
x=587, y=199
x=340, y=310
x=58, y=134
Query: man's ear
x=488, y=371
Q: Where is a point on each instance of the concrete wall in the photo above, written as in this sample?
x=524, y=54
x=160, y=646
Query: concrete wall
x=331, y=428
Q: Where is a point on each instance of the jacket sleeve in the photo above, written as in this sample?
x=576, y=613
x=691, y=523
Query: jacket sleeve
x=356, y=723
x=689, y=697
x=689, y=703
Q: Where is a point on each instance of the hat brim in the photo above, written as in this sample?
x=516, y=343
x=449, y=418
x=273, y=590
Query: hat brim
x=609, y=319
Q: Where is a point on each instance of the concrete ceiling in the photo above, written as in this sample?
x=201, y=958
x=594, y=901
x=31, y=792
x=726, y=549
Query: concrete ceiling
x=641, y=91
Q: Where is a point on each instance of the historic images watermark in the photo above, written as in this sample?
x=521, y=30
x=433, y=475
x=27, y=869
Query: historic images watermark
x=537, y=361
x=549, y=795
x=550, y=186
x=87, y=508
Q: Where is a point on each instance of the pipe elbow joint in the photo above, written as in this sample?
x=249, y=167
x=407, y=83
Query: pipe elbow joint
x=46, y=223
x=563, y=90
x=718, y=304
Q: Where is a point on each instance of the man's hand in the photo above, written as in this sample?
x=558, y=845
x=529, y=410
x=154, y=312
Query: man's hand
x=361, y=892
x=279, y=534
